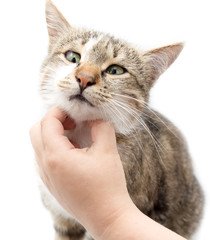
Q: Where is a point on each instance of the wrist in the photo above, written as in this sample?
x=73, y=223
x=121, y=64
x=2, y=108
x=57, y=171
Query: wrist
x=123, y=224
x=130, y=223
x=101, y=222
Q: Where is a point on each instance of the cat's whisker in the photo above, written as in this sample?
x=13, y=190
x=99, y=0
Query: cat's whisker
x=46, y=75
x=103, y=108
x=49, y=68
x=103, y=113
x=128, y=125
x=120, y=115
x=148, y=108
x=135, y=134
x=157, y=117
x=156, y=143
x=126, y=96
x=137, y=111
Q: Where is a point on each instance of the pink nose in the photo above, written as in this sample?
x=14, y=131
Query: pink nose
x=85, y=79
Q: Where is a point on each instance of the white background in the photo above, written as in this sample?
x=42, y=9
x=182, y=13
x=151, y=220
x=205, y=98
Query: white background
x=181, y=94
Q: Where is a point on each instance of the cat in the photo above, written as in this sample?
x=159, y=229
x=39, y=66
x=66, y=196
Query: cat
x=92, y=75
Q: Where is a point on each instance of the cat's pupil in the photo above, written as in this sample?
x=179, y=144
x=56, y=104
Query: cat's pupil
x=114, y=71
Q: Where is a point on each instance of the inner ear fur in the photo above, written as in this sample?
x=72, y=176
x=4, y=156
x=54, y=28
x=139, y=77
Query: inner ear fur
x=160, y=59
x=57, y=25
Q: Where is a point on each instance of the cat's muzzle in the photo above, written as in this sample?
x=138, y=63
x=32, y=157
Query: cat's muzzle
x=80, y=98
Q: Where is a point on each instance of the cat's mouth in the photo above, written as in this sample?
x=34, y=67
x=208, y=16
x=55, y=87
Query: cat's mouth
x=80, y=98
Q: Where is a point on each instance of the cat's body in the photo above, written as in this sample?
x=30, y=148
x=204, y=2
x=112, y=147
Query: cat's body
x=94, y=76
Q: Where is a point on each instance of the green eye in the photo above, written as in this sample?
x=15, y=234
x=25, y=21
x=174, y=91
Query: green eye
x=115, y=70
x=73, y=57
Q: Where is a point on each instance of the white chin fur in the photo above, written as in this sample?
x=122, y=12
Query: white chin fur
x=82, y=112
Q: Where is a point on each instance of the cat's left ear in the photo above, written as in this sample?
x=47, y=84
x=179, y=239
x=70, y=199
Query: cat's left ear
x=159, y=59
x=57, y=25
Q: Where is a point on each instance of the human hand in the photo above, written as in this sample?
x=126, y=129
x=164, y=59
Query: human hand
x=89, y=183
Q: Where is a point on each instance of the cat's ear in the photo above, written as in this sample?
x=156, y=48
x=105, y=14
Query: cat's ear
x=56, y=23
x=159, y=59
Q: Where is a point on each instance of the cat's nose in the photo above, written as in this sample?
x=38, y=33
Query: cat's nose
x=85, y=80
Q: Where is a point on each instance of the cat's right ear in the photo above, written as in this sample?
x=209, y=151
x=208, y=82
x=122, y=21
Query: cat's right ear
x=57, y=25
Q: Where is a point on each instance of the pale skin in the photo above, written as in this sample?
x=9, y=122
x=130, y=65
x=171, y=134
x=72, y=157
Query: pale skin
x=90, y=182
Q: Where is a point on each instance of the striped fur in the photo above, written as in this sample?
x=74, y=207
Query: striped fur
x=158, y=168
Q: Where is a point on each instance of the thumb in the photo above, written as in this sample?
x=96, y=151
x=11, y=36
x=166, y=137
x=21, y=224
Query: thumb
x=103, y=136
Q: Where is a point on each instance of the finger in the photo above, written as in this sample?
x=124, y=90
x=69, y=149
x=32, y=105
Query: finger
x=36, y=140
x=53, y=131
x=103, y=136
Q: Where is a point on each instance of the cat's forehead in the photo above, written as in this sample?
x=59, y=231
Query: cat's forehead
x=97, y=49
x=95, y=46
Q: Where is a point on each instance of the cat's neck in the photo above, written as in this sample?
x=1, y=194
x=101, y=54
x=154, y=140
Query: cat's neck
x=80, y=135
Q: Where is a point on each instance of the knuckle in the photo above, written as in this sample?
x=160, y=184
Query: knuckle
x=43, y=122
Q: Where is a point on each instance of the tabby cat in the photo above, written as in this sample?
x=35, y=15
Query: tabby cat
x=92, y=75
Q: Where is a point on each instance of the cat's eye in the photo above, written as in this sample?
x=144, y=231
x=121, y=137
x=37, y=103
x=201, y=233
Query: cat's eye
x=115, y=70
x=73, y=57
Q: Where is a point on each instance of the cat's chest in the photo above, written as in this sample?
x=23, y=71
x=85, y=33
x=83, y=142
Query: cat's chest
x=80, y=135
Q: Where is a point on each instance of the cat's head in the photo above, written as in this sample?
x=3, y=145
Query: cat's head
x=92, y=75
